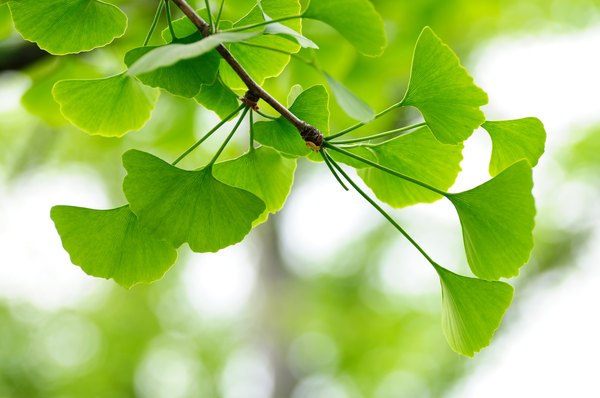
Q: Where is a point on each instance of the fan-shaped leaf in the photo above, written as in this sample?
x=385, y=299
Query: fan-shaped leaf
x=497, y=220
x=109, y=107
x=354, y=107
x=513, y=140
x=443, y=91
x=68, y=26
x=356, y=20
x=188, y=206
x=112, y=244
x=472, y=310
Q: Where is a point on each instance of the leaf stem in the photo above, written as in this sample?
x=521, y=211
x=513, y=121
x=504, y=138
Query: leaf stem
x=170, y=20
x=233, y=130
x=263, y=23
x=380, y=135
x=210, y=20
x=328, y=163
x=387, y=170
x=207, y=135
x=218, y=20
x=357, y=125
x=383, y=212
x=159, y=9
x=265, y=115
x=251, y=148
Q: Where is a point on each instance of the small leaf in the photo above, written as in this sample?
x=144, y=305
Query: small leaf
x=513, y=140
x=109, y=107
x=418, y=155
x=497, y=220
x=444, y=91
x=356, y=20
x=112, y=244
x=277, y=28
x=188, y=206
x=350, y=103
x=472, y=310
x=68, y=26
x=263, y=172
x=312, y=106
x=218, y=98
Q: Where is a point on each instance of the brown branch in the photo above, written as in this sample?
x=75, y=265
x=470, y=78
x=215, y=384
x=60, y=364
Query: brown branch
x=311, y=135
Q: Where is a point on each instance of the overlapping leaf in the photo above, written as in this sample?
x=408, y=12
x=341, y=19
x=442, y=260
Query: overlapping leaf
x=443, y=91
x=353, y=106
x=472, y=310
x=188, y=206
x=497, y=220
x=109, y=107
x=418, y=155
x=68, y=26
x=312, y=106
x=112, y=244
x=356, y=20
x=513, y=140
x=218, y=98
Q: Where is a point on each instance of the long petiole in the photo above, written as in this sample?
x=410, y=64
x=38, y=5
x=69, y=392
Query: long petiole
x=383, y=212
x=233, y=130
x=207, y=135
x=159, y=9
x=328, y=163
x=210, y=20
x=218, y=20
x=387, y=170
x=381, y=135
x=265, y=115
x=251, y=148
x=259, y=24
x=357, y=125
x=170, y=20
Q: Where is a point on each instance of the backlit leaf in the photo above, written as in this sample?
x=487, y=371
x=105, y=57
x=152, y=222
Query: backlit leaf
x=218, y=98
x=68, y=26
x=497, y=220
x=188, y=206
x=443, y=91
x=513, y=140
x=109, y=107
x=350, y=103
x=112, y=244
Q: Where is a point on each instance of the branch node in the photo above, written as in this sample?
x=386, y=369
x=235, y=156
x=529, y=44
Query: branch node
x=312, y=136
x=251, y=99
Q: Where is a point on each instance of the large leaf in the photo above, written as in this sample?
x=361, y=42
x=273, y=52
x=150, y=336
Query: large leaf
x=513, y=140
x=68, y=26
x=183, y=78
x=497, y=220
x=263, y=172
x=109, y=107
x=354, y=107
x=218, y=98
x=418, y=155
x=472, y=310
x=312, y=106
x=188, y=206
x=356, y=20
x=112, y=244
x=444, y=91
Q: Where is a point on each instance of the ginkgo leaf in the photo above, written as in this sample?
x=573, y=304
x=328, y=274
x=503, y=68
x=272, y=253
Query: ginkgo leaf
x=109, y=107
x=218, y=98
x=263, y=172
x=443, y=91
x=356, y=20
x=353, y=106
x=277, y=28
x=112, y=244
x=188, y=206
x=418, y=155
x=472, y=310
x=183, y=78
x=312, y=106
x=68, y=26
x=513, y=140
x=497, y=220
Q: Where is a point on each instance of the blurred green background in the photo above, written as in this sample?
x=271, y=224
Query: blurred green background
x=333, y=306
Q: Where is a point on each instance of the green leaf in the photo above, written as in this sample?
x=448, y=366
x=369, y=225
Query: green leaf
x=263, y=172
x=5, y=21
x=497, y=220
x=277, y=28
x=356, y=20
x=188, y=206
x=513, y=140
x=218, y=98
x=312, y=106
x=418, y=155
x=444, y=91
x=350, y=103
x=183, y=78
x=68, y=26
x=112, y=244
x=170, y=54
x=109, y=107
x=472, y=310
